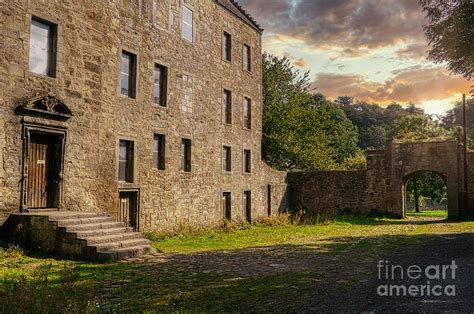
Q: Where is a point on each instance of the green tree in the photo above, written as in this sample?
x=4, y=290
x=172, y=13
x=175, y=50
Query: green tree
x=450, y=33
x=425, y=184
x=301, y=131
x=418, y=127
x=453, y=119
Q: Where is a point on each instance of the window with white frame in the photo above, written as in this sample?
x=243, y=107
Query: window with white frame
x=187, y=24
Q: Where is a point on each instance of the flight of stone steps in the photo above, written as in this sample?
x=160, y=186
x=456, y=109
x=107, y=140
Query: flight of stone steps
x=98, y=235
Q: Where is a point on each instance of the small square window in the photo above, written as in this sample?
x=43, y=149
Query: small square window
x=42, y=58
x=128, y=74
x=159, y=150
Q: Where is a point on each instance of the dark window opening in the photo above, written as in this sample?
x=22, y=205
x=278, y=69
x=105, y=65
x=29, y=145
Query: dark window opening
x=227, y=106
x=227, y=158
x=126, y=161
x=159, y=150
x=160, y=81
x=247, y=58
x=186, y=155
x=248, y=206
x=227, y=205
x=227, y=47
x=43, y=38
x=247, y=113
x=269, y=200
x=247, y=161
x=128, y=74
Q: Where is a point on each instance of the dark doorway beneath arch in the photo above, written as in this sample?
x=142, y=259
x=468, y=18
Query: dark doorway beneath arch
x=425, y=194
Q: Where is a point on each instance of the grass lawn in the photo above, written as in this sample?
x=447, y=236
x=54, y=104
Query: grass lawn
x=254, y=268
x=428, y=213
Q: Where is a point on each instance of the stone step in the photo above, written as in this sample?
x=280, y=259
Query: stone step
x=124, y=252
x=101, y=232
x=79, y=221
x=113, y=238
x=121, y=244
x=74, y=215
x=95, y=226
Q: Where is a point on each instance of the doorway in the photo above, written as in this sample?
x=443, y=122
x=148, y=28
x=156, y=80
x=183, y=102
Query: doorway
x=44, y=170
x=128, y=211
x=425, y=195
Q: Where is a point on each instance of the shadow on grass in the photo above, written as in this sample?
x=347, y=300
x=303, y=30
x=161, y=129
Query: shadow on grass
x=335, y=274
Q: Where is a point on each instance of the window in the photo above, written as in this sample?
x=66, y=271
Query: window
x=227, y=205
x=160, y=81
x=128, y=70
x=126, y=161
x=159, y=150
x=42, y=48
x=247, y=57
x=186, y=155
x=248, y=206
x=227, y=158
x=227, y=47
x=187, y=24
x=227, y=106
x=247, y=113
x=247, y=161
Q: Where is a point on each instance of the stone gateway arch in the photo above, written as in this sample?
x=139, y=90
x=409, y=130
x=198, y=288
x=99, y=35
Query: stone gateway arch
x=381, y=187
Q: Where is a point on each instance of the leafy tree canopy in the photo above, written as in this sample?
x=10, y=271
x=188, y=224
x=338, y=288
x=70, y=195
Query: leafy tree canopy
x=418, y=127
x=301, y=131
x=450, y=33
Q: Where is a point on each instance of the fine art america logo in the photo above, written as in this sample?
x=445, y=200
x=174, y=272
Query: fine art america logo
x=416, y=281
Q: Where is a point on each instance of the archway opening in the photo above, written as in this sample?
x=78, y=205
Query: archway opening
x=425, y=195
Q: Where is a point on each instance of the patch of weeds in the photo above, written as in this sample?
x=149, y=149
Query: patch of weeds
x=47, y=290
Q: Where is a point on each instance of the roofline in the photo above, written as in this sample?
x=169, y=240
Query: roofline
x=253, y=23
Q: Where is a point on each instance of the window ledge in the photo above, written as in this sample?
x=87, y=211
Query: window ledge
x=127, y=185
x=38, y=75
x=127, y=97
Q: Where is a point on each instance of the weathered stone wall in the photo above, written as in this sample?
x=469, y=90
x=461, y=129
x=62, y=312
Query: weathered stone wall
x=326, y=192
x=381, y=187
x=91, y=36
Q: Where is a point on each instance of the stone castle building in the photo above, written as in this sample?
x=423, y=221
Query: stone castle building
x=149, y=110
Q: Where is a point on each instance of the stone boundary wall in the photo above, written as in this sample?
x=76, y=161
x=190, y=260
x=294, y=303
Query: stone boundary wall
x=326, y=192
x=381, y=188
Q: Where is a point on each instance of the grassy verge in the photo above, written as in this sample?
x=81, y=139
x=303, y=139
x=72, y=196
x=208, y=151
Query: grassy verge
x=257, y=235
x=217, y=270
x=428, y=213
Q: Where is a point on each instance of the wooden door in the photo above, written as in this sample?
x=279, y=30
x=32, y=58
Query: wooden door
x=128, y=211
x=42, y=181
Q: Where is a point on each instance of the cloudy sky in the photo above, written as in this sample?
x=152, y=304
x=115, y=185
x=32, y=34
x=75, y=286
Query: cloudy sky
x=372, y=50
